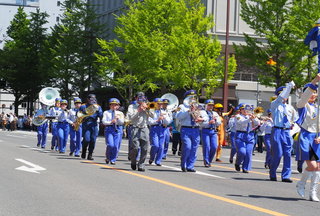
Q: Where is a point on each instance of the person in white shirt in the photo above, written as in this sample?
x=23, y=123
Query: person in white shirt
x=63, y=126
x=113, y=119
x=245, y=138
x=75, y=135
x=209, y=132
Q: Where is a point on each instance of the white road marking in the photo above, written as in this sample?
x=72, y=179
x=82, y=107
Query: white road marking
x=198, y=172
x=16, y=136
x=33, y=167
x=179, y=169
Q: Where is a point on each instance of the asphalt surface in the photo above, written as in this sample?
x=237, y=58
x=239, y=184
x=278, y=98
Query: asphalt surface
x=38, y=181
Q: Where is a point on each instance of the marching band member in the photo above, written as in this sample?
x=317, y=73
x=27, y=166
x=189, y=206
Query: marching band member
x=42, y=130
x=245, y=124
x=113, y=121
x=63, y=126
x=233, y=130
x=75, y=136
x=309, y=140
x=54, y=112
x=89, y=127
x=138, y=115
x=267, y=128
x=209, y=132
x=167, y=129
x=129, y=126
x=190, y=134
x=283, y=116
x=158, y=125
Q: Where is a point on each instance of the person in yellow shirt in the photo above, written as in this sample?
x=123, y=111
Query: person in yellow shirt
x=221, y=129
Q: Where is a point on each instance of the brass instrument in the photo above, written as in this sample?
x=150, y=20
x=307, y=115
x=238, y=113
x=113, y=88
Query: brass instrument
x=90, y=110
x=258, y=111
x=173, y=101
x=192, y=101
x=47, y=96
x=152, y=106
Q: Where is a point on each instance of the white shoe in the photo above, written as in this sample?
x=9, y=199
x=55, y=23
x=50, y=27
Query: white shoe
x=313, y=197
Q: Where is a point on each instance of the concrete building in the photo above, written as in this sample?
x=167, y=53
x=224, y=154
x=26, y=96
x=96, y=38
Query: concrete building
x=246, y=88
x=8, y=9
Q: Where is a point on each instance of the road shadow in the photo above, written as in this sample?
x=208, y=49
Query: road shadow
x=212, y=169
x=250, y=179
x=267, y=197
x=115, y=168
x=68, y=158
x=164, y=170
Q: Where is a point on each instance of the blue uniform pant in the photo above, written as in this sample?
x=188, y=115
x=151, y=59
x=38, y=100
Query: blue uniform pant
x=120, y=130
x=190, y=138
x=244, y=142
x=281, y=145
x=112, y=137
x=55, y=136
x=63, y=132
x=89, y=134
x=75, y=140
x=233, y=145
x=166, y=142
x=157, y=137
x=267, y=143
x=42, y=132
x=209, y=145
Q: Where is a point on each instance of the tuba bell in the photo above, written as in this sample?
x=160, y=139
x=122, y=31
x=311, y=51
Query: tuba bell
x=47, y=96
x=173, y=101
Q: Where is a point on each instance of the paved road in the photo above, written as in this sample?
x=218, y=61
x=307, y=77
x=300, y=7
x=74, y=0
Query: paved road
x=48, y=183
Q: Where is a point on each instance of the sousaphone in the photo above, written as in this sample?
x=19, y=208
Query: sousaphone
x=47, y=96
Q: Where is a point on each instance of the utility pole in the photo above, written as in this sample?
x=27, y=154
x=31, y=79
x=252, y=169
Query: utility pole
x=225, y=83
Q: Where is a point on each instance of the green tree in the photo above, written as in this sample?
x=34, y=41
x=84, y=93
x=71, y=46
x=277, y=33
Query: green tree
x=73, y=43
x=162, y=45
x=280, y=27
x=20, y=64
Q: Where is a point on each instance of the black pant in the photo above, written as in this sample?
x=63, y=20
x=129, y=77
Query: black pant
x=176, y=140
x=260, y=143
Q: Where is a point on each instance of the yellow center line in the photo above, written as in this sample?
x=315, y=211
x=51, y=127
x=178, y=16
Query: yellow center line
x=256, y=208
x=259, y=173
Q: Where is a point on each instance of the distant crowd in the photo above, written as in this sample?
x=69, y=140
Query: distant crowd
x=11, y=122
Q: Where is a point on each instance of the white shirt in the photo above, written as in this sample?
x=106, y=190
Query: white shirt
x=205, y=115
x=107, y=117
x=245, y=124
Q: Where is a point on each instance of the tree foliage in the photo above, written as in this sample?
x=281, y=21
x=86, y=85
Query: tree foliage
x=22, y=56
x=162, y=45
x=280, y=27
x=73, y=43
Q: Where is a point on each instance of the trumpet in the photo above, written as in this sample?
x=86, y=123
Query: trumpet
x=152, y=106
x=258, y=111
